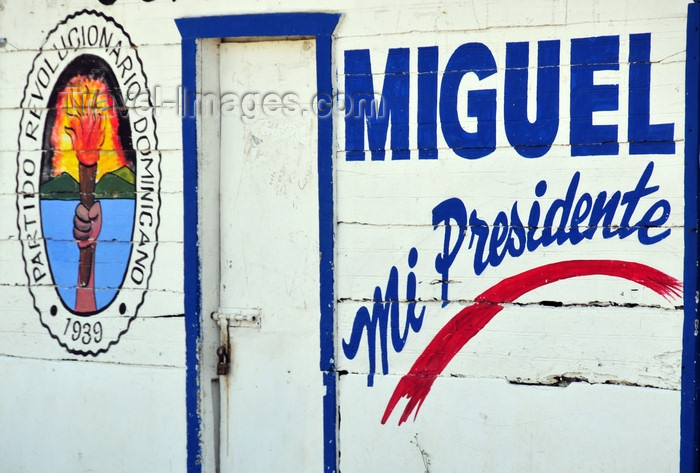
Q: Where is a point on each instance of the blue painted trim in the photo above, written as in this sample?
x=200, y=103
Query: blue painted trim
x=326, y=242
x=320, y=26
x=193, y=297
x=689, y=374
x=258, y=25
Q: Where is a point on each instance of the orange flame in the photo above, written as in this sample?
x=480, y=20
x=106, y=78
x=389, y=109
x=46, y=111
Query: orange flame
x=86, y=128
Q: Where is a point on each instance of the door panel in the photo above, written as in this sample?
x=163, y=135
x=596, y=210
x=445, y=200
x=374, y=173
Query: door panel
x=271, y=400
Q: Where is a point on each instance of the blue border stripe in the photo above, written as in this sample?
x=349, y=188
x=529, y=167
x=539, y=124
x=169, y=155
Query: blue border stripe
x=259, y=25
x=325, y=197
x=326, y=220
x=320, y=26
x=191, y=256
x=689, y=375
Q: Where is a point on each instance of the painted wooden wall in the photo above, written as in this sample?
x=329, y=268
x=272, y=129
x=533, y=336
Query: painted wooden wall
x=509, y=244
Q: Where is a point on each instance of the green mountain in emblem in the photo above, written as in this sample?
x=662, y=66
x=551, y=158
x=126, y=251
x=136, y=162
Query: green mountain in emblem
x=118, y=184
x=125, y=173
x=61, y=187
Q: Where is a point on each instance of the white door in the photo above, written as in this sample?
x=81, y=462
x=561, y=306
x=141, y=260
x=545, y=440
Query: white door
x=271, y=400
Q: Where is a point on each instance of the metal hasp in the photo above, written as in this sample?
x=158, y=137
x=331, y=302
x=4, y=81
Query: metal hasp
x=234, y=317
x=230, y=317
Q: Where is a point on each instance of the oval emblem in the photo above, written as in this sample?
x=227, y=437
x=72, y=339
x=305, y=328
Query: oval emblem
x=88, y=182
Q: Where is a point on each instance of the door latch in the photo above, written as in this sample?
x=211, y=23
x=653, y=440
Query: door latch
x=226, y=318
x=238, y=317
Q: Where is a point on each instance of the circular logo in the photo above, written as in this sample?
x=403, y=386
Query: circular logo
x=88, y=182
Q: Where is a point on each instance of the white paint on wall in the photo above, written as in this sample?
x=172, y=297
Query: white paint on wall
x=496, y=406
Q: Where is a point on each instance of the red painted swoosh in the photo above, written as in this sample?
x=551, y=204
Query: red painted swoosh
x=416, y=385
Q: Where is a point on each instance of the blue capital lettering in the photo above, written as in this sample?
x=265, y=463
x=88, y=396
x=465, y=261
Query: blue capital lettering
x=587, y=56
x=531, y=139
x=481, y=104
x=644, y=138
x=363, y=106
x=427, y=102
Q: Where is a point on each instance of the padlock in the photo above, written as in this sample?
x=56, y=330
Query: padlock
x=222, y=367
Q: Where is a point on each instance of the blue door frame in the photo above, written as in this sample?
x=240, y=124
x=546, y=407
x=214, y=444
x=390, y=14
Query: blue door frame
x=279, y=25
x=689, y=374
x=321, y=27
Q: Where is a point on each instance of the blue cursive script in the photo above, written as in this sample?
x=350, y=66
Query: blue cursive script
x=386, y=315
x=569, y=219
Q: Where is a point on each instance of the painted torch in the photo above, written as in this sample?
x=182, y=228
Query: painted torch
x=87, y=134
